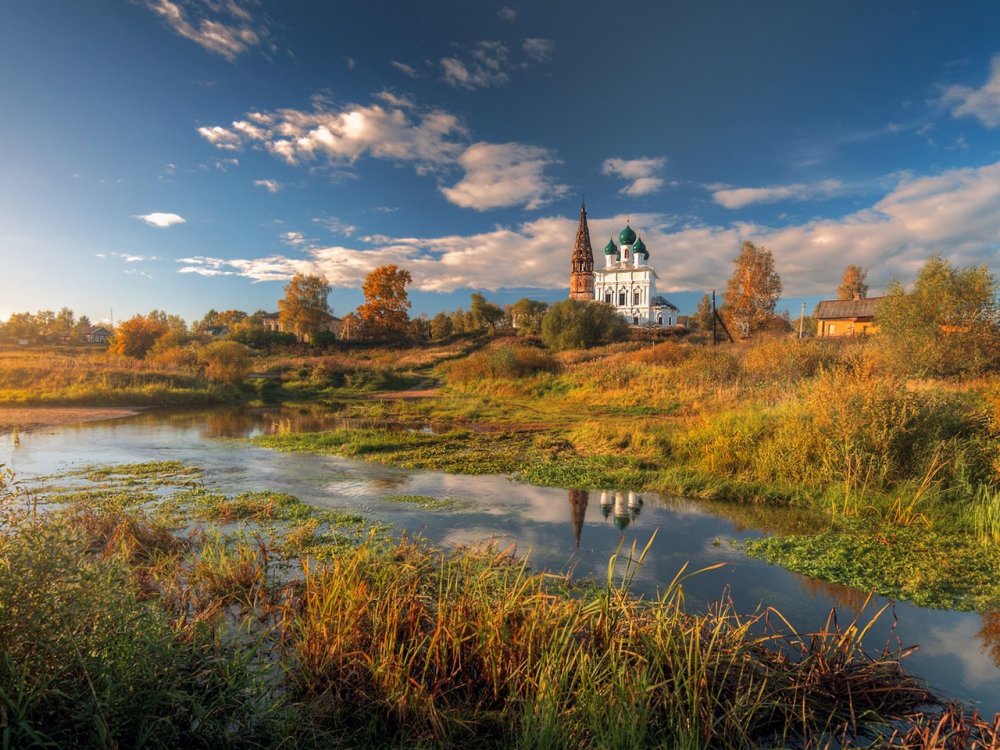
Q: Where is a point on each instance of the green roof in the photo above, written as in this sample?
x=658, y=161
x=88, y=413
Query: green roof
x=626, y=236
x=640, y=247
x=611, y=248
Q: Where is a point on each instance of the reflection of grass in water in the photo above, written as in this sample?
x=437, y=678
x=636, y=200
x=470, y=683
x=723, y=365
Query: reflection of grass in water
x=427, y=502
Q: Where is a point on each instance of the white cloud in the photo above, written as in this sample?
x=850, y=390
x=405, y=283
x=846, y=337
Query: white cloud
x=539, y=50
x=504, y=174
x=953, y=213
x=641, y=172
x=293, y=239
x=271, y=186
x=434, y=141
x=404, y=68
x=346, y=134
x=508, y=14
x=161, y=220
x=128, y=257
x=982, y=103
x=740, y=197
x=223, y=28
x=335, y=225
x=350, y=62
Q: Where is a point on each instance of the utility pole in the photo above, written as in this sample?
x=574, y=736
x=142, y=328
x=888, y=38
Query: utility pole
x=715, y=340
x=802, y=319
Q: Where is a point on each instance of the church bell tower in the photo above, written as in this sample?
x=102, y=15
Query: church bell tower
x=581, y=278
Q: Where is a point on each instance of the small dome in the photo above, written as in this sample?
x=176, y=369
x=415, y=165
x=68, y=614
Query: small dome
x=626, y=236
x=621, y=522
x=611, y=248
x=640, y=247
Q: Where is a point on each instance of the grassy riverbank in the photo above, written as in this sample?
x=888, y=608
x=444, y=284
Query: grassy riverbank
x=889, y=462
x=150, y=611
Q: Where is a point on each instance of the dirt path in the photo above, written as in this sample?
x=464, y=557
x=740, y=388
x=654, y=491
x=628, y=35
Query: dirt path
x=25, y=418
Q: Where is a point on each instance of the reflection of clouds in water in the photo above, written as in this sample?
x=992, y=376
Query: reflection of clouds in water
x=959, y=642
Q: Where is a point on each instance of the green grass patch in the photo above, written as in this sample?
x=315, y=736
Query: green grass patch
x=427, y=502
x=939, y=569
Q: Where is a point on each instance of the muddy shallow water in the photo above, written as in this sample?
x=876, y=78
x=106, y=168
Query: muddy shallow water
x=559, y=529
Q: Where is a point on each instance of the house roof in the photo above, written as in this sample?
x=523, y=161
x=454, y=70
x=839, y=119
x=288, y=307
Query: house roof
x=847, y=308
x=659, y=301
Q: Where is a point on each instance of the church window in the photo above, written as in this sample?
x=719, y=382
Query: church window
x=607, y=296
x=635, y=320
x=621, y=298
x=635, y=297
x=659, y=320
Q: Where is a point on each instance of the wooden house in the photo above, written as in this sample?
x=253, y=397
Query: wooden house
x=846, y=317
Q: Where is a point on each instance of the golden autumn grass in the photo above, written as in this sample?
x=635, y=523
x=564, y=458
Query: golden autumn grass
x=119, y=631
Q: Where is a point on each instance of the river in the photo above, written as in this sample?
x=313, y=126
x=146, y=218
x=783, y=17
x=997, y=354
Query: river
x=558, y=529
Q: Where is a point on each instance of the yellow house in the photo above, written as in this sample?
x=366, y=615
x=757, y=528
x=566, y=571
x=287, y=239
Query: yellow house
x=846, y=317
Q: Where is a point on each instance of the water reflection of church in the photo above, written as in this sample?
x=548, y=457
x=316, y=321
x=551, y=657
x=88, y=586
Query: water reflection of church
x=624, y=506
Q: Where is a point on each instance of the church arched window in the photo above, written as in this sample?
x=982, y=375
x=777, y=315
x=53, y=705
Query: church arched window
x=621, y=298
x=607, y=296
x=636, y=296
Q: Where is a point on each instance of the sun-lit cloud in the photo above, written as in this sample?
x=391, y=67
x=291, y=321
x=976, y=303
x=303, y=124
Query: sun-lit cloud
x=223, y=27
x=982, y=103
x=271, y=186
x=731, y=197
x=490, y=63
x=161, y=220
x=221, y=137
x=435, y=142
x=508, y=14
x=953, y=213
x=642, y=174
x=504, y=174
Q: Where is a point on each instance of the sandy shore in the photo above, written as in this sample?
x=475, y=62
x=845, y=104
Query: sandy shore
x=33, y=417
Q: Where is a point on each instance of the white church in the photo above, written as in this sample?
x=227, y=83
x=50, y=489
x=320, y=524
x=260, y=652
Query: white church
x=626, y=282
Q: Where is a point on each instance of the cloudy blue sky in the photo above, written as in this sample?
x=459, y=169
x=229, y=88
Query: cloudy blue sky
x=187, y=154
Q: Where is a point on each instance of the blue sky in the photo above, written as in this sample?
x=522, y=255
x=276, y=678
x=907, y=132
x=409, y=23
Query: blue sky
x=187, y=154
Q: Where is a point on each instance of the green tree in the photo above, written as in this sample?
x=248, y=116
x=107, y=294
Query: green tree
x=703, y=315
x=304, y=308
x=486, y=312
x=946, y=325
x=384, y=314
x=752, y=291
x=526, y=315
x=578, y=324
x=854, y=283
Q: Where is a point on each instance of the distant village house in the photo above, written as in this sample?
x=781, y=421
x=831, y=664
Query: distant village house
x=272, y=322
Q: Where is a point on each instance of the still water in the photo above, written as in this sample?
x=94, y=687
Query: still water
x=558, y=529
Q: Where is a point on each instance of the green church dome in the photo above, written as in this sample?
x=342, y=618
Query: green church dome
x=640, y=247
x=626, y=236
x=611, y=248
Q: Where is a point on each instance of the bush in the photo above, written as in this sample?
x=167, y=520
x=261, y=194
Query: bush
x=225, y=361
x=575, y=324
x=503, y=361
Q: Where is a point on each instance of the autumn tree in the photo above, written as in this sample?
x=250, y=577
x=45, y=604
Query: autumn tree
x=752, y=291
x=136, y=336
x=304, y=308
x=486, y=312
x=225, y=361
x=854, y=283
x=947, y=324
x=440, y=326
x=384, y=314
